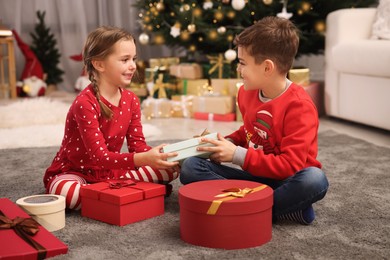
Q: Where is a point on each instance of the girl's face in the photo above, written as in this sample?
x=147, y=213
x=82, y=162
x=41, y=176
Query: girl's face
x=250, y=72
x=120, y=66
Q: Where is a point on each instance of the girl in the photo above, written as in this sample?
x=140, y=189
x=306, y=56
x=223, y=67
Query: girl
x=99, y=120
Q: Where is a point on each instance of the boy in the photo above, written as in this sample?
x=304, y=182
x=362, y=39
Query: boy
x=277, y=143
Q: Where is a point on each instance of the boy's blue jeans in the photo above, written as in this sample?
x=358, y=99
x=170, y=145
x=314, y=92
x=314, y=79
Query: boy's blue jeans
x=295, y=193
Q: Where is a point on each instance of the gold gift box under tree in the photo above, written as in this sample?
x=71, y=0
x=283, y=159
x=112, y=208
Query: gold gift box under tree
x=300, y=76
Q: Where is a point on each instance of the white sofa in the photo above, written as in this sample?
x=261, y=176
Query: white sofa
x=357, y=69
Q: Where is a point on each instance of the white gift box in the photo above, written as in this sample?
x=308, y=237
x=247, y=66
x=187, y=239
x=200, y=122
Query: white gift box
x=188, y=148
x=48, y=210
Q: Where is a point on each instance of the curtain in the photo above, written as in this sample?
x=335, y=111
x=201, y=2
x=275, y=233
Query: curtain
x=70, y=21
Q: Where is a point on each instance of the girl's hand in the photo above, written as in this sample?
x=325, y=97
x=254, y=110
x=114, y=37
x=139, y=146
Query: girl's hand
x=223, y=150
x=155, y=158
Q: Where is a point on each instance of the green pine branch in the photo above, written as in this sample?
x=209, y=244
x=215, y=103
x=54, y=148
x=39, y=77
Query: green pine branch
x=44, y=47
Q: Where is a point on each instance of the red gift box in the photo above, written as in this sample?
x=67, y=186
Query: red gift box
x=13, y=246
x=122, y=202
x=229, y=214
x=215, y=117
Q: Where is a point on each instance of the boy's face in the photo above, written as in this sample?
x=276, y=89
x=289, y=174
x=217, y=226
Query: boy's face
x=250, y=72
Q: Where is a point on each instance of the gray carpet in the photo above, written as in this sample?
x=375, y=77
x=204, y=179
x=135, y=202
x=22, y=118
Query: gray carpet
x=353, y=221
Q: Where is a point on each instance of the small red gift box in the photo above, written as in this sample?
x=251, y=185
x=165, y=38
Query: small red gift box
x=229, y=214
x=215, y=117
x=16, y=244
x=122, y=202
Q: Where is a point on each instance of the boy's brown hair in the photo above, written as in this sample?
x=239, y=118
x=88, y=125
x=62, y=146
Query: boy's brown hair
x=271, y=38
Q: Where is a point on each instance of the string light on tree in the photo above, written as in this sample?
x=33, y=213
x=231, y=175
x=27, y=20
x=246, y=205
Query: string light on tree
x=160, y=6
x=267, y=2
x=191, y=28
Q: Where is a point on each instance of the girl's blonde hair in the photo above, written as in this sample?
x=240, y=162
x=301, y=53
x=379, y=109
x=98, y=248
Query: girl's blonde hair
x=98, y=46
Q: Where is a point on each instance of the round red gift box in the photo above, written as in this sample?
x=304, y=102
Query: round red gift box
x=227, y=221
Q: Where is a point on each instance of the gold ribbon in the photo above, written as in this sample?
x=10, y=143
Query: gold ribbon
x=218, y=62
x=205, y=132
x=231, y=194
x=160, y=86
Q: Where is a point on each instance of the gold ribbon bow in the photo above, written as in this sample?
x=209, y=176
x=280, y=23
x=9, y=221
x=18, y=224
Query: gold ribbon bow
x=205, y=132
x=160, y=86
x=231, y=194
x=218, y=62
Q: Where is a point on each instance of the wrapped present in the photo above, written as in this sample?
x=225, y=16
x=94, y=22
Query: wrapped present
x=218, y=67
x=181, y=106
x=300, y=76
x=150, y=74
x=47, y=209
x=163, y=62
x=214, y=104
x=238, y=114
x=156, y=108
x=121, y=202
x=186, y=71
x=21, y=237
x=229, y=214
x=215, y=117
x=194, y=87
x=188, y=148
x=226, y=87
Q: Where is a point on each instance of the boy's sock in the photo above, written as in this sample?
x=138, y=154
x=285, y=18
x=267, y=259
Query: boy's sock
x=305, y=217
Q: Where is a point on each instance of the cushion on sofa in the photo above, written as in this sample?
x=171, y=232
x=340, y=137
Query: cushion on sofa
x=381, y=25
x=364, y=57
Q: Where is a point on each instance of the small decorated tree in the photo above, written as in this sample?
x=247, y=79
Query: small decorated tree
x=44, y=47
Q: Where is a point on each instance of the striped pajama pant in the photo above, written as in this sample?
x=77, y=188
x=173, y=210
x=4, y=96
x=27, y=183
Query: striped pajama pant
x=68, y=185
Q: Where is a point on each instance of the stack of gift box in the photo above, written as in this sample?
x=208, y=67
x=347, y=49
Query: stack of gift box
x=181, y=89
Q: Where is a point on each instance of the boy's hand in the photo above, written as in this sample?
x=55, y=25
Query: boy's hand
x=223, y=150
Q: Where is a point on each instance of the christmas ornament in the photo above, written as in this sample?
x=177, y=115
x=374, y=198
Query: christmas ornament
x=226, y=1
x=175, y=30
x=207, y=5
x=267, y=2
x=238, y=4
x=143, y=38
x=221, y=30
x=284, y=13
x=230, y=55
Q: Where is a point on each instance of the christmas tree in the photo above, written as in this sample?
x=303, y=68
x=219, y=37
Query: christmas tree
x=44, y=47
x=208, y=27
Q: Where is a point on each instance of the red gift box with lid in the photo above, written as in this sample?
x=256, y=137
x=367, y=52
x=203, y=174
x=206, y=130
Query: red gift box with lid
x=13, y=241
x=229, y=214
x=122, y=202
